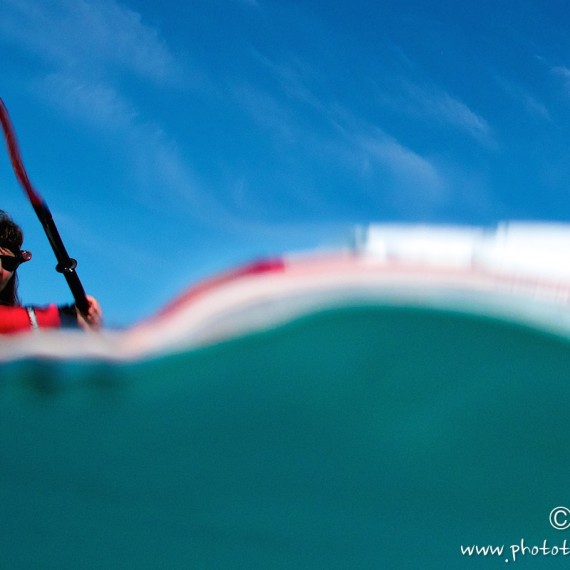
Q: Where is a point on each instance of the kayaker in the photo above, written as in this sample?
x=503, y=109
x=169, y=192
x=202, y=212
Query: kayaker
x=13, y=316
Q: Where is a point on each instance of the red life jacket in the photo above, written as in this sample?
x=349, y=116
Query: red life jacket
x=18, y=319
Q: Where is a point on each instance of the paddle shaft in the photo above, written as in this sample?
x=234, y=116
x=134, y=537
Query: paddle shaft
x=65, y=264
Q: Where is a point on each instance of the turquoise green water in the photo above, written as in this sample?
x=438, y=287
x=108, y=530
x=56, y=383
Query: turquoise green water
x=368, y=437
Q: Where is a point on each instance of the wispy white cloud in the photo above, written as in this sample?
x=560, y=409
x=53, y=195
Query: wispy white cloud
x=457, y=113
x=162, y=177
x=330, y=133
x=83, y=43
x=535, y=107
x=427, y=102
x=564, y=73
x=367, y=147
x=293, y=76
x=384, y=168
x=409, y=167
x=413, y=184
x=93, y=34
x=560, y=72
x=523, y=97
x=436, y=104
x=99, y=104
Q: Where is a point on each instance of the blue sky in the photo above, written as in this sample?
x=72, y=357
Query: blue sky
x=175, y=139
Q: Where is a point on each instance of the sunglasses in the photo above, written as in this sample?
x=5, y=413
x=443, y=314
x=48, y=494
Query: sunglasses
x=11, y=262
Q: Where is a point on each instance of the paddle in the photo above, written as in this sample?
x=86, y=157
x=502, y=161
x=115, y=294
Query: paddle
x=65, y=264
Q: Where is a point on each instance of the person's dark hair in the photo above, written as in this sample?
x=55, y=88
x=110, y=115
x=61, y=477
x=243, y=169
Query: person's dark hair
x=11, y=238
